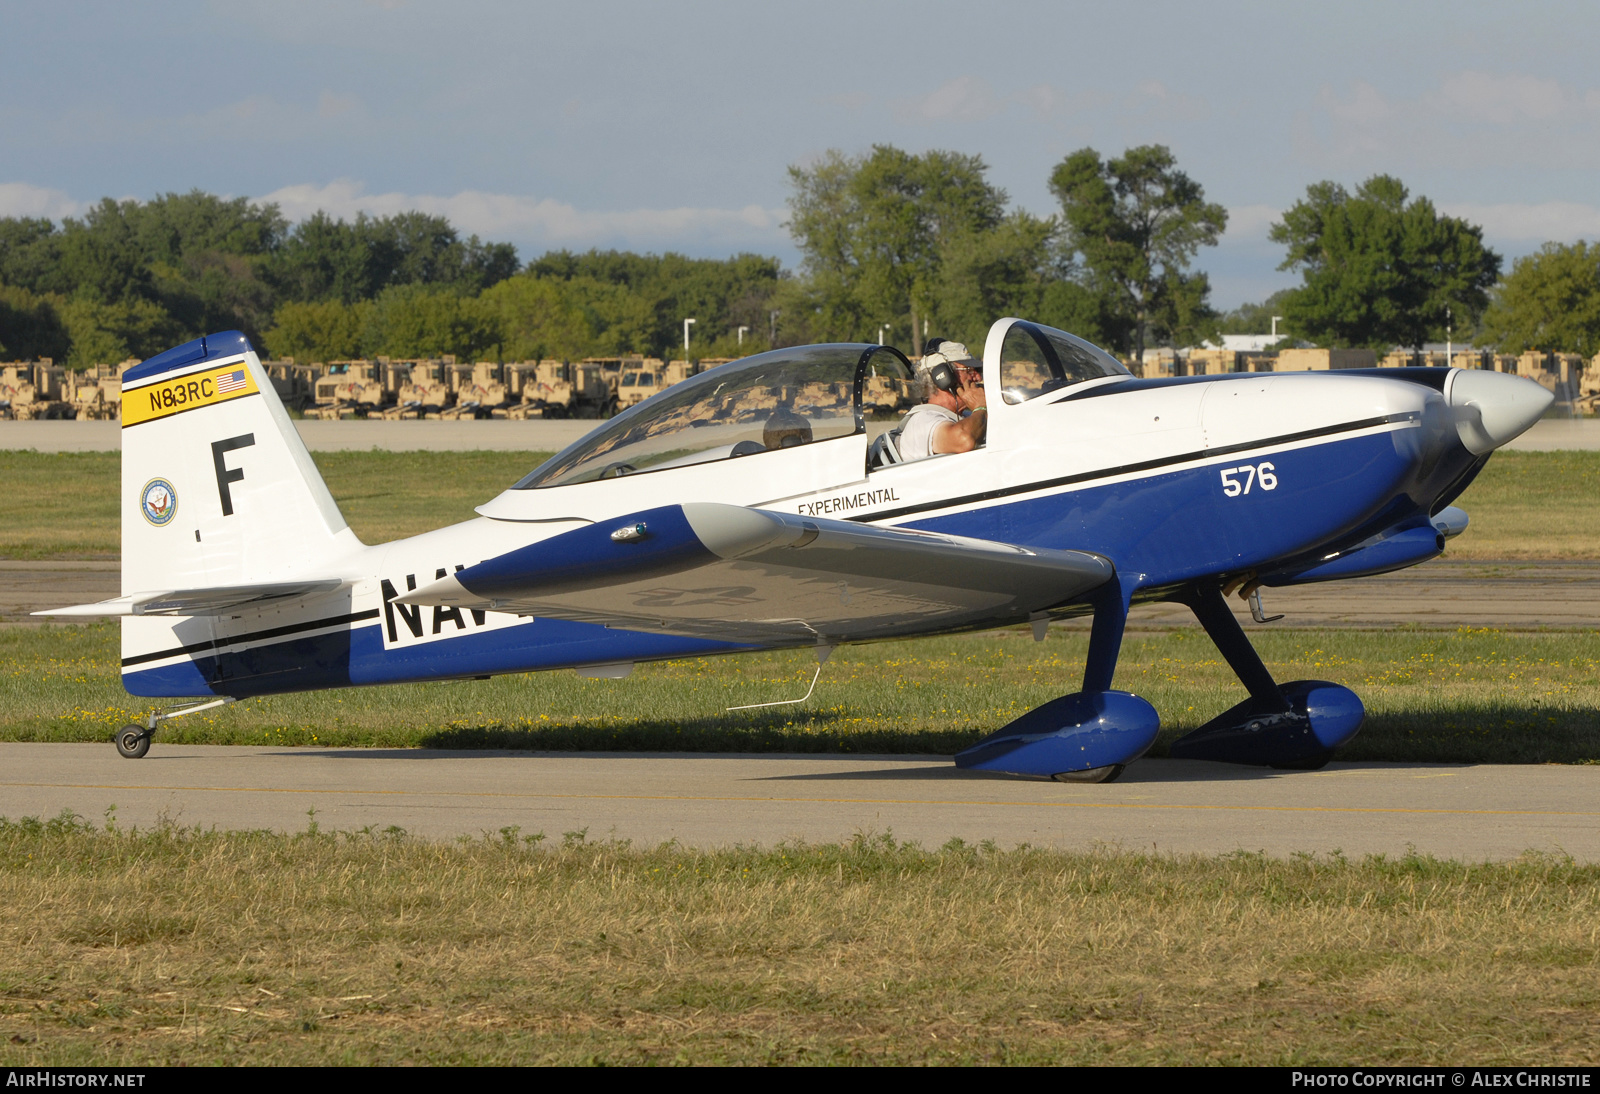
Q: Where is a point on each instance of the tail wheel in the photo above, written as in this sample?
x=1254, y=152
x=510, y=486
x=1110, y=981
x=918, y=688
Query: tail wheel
x=133, y=741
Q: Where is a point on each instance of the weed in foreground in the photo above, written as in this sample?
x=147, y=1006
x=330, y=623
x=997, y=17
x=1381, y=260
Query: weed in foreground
x=175, y=945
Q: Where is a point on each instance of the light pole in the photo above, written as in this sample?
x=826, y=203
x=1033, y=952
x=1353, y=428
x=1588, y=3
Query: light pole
x=741, y=334
x=1275, y=319
x=772, y=320
x=1448, y=333
x=686, y=324
x=881, y=329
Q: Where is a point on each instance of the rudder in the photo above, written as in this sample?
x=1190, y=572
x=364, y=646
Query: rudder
x=217, y=486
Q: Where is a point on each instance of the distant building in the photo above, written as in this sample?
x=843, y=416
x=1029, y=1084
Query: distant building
x=1245, y=343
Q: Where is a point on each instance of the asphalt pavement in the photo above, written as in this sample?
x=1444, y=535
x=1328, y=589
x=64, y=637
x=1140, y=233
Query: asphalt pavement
x=1471, y=813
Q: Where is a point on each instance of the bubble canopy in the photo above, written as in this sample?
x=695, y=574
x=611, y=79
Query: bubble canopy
x=1036, y=360
x=776, y=400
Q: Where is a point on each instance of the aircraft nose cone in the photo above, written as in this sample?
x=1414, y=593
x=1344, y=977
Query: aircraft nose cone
x=1491, y=408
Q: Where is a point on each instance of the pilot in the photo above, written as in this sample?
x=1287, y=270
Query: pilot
x=954, y=413
x=785, y=429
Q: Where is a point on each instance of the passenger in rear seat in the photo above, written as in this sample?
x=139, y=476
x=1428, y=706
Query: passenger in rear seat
x=954, y=415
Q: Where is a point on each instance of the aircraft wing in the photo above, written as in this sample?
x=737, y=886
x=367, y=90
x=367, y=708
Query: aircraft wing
x=755, y=575
x=213, y=601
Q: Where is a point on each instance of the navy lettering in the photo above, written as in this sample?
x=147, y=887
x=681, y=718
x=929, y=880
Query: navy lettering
x=410, y=614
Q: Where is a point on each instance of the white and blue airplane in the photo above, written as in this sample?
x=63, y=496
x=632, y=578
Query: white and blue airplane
x=745, y=509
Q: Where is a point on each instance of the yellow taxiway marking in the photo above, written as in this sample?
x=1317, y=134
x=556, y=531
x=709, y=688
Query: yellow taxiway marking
x=821, y=801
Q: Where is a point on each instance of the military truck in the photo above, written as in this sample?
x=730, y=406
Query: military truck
x=350, y=389
x=425, y=393
x=95, y=393
x=480, y=395
x=295, y=384
x=541, y=389
x=31, y=390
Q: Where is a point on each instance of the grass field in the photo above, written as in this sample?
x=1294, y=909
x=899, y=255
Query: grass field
x=182, y=947
x=73, y=513
x=1467, y=696
x=1525, y=505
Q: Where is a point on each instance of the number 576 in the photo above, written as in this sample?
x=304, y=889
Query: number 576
x=1260, y=474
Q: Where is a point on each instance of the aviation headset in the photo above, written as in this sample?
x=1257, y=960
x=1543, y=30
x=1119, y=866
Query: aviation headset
x=942, y=375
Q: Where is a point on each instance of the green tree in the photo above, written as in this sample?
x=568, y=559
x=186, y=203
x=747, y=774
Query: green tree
x=323, y=258
x=104, y=333
x=330, y=330
x=30, y=255
x=637, y=303
x=1550, y=302
x=874, y=231
x=173, y=227
x=1255, y=318
x=31, y=326
x=102, y=257
x=1378, y=270
x=430, y=321
x=539, y=317
x=1136, y=223
x=1010, y=269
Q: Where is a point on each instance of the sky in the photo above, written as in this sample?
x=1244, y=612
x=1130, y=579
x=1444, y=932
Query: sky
x=662, y=126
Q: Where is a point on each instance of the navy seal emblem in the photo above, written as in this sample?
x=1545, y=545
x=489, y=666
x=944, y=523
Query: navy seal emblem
x=159, y=502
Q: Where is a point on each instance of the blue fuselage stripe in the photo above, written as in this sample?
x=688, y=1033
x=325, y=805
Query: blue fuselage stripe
x=1169, y=527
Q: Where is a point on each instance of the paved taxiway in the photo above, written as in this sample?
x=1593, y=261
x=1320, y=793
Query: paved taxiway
x=1464, y=812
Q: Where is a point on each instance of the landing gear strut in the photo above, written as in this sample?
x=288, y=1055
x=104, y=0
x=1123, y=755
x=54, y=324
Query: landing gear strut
x=133, y=740
x=1090, y=735
x=1294, y=725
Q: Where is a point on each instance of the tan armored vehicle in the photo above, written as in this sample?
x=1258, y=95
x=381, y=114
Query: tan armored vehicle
x=295, y=384
x=884, y=396
x=542, y=389
x=636, y=385
x=96, y=392
x=32, y=390
x=481, y=395
x=424, y=394
x=351, y=389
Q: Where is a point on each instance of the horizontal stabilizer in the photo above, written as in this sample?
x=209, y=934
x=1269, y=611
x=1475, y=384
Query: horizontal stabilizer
x=215, y=601
x=755, y=575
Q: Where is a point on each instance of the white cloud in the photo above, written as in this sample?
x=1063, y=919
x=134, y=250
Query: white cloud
x=1366, y=105
x=1563, y=221
x=1503, y=100
x=1155, y=97
x=1465, y=120
x=963, y=99
x=1048, y=101
x=545, y=221
x=18, y=199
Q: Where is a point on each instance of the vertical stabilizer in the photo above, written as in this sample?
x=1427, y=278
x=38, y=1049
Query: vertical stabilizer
x=217, y=486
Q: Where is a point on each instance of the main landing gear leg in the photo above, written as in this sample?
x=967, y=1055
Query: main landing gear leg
x=1090, y=735
x=133, y=741
x=1293, y=725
